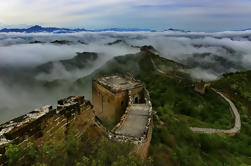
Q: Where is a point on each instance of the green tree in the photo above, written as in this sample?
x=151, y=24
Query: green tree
x=126, y=161
x=84, y=162
x=14, y=153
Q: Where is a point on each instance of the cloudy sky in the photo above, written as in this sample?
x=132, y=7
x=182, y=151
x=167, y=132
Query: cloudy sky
x=194, y=15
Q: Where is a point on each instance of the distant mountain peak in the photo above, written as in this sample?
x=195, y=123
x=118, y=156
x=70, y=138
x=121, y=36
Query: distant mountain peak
x=38, y=28
x=248, y=29
x=177, y=30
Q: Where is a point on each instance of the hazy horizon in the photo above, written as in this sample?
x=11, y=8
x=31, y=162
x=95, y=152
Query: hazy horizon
x=194, y=15
x=23, y=26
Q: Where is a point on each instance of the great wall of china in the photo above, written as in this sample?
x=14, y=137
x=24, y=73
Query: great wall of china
x=235, y=113
x=113, y=97
x=201, y=87
x=48, y=123
x=74, y=115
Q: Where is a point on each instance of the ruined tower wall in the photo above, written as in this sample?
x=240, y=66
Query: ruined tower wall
x=73, y=116
x=142, y=149
x=69, y=120
x=108, y=105
x=201, y=86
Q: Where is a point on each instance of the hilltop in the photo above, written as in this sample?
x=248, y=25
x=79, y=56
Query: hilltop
x=82, y=60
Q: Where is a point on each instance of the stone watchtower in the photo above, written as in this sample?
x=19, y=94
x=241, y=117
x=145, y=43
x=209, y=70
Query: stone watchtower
x=201, y=86
x=110, y=96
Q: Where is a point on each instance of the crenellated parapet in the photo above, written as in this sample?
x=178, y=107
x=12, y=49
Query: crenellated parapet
x=13, y=130
x=46, y=123
x=135, y=125
x=118, y=134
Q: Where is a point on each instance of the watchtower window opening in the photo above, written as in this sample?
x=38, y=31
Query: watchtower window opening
x=136, y=100
x=122, y=103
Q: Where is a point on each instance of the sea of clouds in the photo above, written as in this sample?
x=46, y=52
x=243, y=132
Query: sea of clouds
x=232, y=46
x=208, y=56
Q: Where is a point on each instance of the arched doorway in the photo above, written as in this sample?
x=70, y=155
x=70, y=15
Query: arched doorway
x=136, y=100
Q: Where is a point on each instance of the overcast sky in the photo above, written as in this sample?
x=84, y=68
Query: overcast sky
x=194, y=15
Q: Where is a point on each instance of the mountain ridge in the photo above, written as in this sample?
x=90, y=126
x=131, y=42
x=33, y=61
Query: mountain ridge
x=38, y=28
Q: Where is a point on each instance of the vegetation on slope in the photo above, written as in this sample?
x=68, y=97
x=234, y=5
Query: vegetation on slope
x=208, y=110
x=175, y=144
x=236, y=85
x=70, y=152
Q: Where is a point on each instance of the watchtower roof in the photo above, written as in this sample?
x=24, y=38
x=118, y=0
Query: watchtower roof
x=116, y=83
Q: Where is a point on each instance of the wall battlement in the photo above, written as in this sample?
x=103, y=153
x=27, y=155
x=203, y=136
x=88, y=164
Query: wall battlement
x=201, y=86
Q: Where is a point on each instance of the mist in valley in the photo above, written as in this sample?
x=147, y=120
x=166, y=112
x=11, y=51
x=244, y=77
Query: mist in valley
x=24, y=87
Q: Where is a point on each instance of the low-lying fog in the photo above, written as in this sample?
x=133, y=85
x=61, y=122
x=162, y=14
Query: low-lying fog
x=207, y=54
